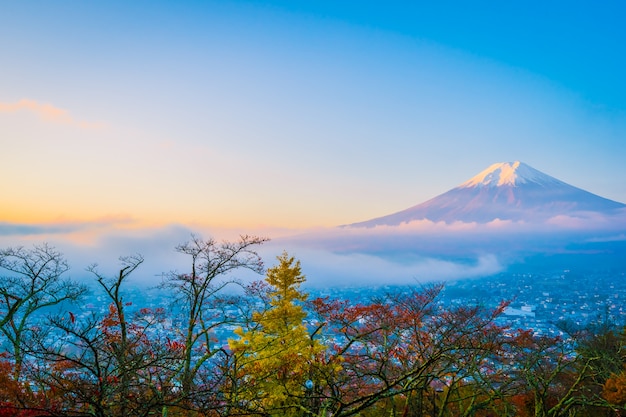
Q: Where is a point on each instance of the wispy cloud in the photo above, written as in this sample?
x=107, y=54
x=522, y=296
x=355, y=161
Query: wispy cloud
x=48, y=113
x=63, y=229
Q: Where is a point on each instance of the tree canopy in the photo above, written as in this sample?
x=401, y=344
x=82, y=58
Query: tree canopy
x=272, y=351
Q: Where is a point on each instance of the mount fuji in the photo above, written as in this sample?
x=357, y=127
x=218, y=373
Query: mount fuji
x=505, y=191
x=508, y=217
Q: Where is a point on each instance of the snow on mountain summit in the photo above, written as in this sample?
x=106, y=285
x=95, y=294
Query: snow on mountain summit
x=508, y=173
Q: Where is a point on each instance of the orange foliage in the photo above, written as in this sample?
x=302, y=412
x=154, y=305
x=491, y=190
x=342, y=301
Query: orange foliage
x=614, y=390
x=12, y=393
x=524, y=404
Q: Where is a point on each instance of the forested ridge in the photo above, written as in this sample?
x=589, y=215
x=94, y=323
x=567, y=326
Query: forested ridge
x=400, y=354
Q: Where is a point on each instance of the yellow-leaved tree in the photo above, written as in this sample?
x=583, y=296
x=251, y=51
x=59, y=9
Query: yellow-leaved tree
x=274, y=356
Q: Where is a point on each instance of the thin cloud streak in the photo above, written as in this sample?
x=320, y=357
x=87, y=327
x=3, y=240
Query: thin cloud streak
x=86, y=233
x=47, y=113
x=17, y=229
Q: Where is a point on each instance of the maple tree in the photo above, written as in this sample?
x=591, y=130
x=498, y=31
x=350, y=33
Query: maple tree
x=15, y=396
x=405, y=351
x=477, y=378
x=107, y=366
x=551, y=376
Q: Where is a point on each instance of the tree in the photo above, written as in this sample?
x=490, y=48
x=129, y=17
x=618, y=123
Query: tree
x=551, y=375
x=407, y=354
x=274, y=355
x=601, y=343
x=109, y=365
x=34, y=284
x=197, y=295
x=476, y=375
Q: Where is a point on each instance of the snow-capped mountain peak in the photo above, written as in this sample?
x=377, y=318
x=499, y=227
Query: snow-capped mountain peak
x=508, y=173
x=506, y=191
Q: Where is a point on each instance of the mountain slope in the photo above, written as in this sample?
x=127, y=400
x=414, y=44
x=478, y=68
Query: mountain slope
x=505, y=191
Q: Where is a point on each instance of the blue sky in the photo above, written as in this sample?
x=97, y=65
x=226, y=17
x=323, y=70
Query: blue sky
x=283, y=114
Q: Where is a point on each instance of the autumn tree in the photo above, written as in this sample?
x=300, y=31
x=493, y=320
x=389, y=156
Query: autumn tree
x=16, y=398
x=551, y=375
x=111, y=365
x=602, y=341
x=274, y=356
x=604, y=385
x=475, y=378
x=34, y=283
x=407, y=354
x=197, y=295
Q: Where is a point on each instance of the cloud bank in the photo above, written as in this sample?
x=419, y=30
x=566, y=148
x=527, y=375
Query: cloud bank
x=411, y=253
x=330, y=269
